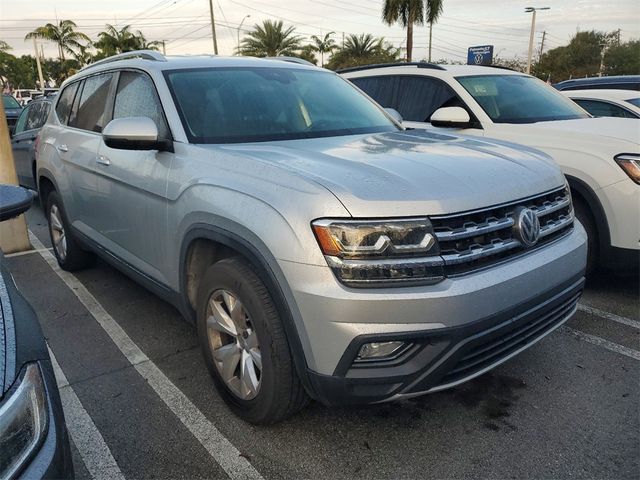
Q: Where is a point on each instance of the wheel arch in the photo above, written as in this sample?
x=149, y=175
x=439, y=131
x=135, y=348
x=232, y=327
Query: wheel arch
x=228, y=242
x=582, y=191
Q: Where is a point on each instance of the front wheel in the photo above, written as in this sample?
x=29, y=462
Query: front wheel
x=244, y=344
x=585, y=217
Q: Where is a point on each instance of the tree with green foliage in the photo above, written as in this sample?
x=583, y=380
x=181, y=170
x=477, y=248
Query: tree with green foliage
x=323, y=45
x=271, y=39
x=433, y=11
x=583, y=55
x=623, y=59
x=64, y=35
x=406, y=12
x=363, y=49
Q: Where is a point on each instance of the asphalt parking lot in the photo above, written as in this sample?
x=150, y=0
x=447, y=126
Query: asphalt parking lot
x=140, y=404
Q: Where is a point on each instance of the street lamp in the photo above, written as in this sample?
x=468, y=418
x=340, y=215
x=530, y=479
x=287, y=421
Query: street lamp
x=239, y=27
x=533, y=27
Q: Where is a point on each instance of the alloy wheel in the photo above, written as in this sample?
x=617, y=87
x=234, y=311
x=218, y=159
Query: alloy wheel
x=234, y=344
x=58, y=234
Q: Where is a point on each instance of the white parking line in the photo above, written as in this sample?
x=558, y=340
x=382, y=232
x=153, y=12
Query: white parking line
x=218, y=446
x=609, y=316
x=93, y=449
x=601, y=342
x=26, y=252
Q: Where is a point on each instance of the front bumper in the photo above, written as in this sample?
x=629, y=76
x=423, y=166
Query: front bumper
x=511, y=305
x=444, y=358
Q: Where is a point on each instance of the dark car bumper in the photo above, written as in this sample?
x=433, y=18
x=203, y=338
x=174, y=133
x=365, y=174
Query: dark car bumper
x=446, y=357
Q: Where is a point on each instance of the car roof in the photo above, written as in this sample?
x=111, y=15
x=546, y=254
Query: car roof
x=436, y=69
x=155, y=61
x=603, y=93
x=599, y=80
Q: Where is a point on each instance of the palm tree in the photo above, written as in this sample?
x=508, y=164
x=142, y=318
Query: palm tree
x=4, y=46
x=64, y=35
x=270, y=39
x=434, y=10
x=323, y=45
x=362, y=49
x=407, y=13
x=113, y=41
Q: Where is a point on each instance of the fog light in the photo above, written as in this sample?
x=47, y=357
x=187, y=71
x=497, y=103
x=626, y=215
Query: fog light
x=375, y=350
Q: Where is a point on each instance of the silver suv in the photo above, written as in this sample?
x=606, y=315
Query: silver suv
x=321, y=250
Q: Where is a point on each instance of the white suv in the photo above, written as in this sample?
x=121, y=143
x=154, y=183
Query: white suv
x=599, y=156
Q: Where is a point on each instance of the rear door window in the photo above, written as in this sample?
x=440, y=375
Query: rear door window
x=63, y=107
x=92, y=104
x=414, y=97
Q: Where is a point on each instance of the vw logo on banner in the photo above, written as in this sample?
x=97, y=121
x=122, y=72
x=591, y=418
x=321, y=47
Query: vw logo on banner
x=480, y=55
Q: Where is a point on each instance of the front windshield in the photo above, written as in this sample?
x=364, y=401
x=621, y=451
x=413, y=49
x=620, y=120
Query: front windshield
x=519, y=99
x=9, y=102
x=229, y=105
x=634, y=101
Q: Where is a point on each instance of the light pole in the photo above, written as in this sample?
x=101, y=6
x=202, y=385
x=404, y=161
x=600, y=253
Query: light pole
x=239, y=27
x=533, y=28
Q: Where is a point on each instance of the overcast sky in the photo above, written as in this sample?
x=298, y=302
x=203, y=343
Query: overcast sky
x=184, y=24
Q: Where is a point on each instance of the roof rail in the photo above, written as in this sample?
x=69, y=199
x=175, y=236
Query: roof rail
x=144, y=54
x=284, y=58
x=387, y=65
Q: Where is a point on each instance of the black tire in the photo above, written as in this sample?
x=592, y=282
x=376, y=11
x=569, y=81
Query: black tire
x=76, y=258
x=584, y=216
x=281, y=393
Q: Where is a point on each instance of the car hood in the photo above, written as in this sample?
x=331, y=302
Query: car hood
x=414, y=172
x=614, y=132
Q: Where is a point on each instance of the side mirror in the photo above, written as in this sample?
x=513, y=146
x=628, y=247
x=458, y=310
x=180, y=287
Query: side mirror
x=451, y=117
x=13, y=201
x=394, y=114
x=133, y=133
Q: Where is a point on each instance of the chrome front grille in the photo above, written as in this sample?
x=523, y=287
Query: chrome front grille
x=478, y=239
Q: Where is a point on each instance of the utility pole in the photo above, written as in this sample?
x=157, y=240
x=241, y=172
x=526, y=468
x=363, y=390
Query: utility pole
x=164, y=47
x=213, y=28
x=533, y=28
x=544, y=34
x=239, y=28
x=40, y=76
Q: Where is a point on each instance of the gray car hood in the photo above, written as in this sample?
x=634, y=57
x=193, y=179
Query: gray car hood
x=413, y=172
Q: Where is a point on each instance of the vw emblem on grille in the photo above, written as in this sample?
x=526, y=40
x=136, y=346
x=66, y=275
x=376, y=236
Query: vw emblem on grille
x=527, y=226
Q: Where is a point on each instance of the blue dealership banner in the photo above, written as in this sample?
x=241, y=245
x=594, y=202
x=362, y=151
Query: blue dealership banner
x=480, y=55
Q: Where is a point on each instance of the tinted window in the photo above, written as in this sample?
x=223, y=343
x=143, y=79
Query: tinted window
x=92, y=104
x=137, y=97
x=414, y=97
x=9, y=102
x=22, y=121
x=381, y=89
x=519, y=99
x=603, y=109
x=224, y=105
x=34, y=117
x=63, y=107
x=634, y=101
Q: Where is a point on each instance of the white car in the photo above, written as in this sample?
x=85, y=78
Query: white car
x=607, y=102
x=599, y=156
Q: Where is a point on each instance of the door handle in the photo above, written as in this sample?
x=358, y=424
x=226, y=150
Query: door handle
x=62, y=148
x=102, y=160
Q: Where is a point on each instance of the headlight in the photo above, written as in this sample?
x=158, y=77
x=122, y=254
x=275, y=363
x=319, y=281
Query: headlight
x=23, y=421
x=630, y=163
x=380, y=253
